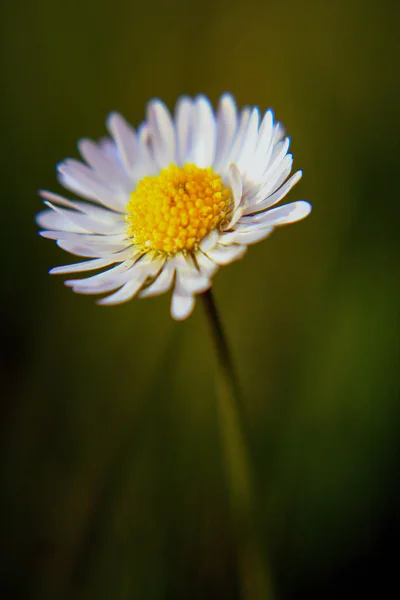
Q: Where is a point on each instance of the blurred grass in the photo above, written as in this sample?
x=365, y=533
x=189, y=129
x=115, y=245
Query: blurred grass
x=312, y=313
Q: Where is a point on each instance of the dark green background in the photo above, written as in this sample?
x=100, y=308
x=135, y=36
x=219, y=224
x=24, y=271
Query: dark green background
x=112, y=479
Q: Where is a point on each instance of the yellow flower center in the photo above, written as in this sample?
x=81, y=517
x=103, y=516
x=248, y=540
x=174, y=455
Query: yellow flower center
x=173, y=211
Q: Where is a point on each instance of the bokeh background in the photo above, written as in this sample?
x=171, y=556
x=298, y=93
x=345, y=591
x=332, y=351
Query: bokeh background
x=113, y=480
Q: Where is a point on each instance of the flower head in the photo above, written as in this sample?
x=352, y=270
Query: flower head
x=170, y=203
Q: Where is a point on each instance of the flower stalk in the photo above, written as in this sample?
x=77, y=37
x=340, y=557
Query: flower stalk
x=253, y=570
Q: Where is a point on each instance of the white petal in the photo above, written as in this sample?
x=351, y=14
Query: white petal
x=130, y=289
x=83, y=181
x=87, y=265
x=275, y=197
x=98, y=213
x=50, y=219
x=264, y=138
x=238, y=141
x=184, y=125
x=235, y=183
x=126, y=140
x=279, y=176
x=279, y=133
x=283, y=215
x=89, y=239
x=228, y=238
x=190, y=280
x=162, y=133
x=209, y=241
x=238, y=213
x=61, y=200
x=181, y=306
x=104, y=166
x=270, y=182
x=80, y=249
x=263, y=150
x=202, y=152
x=252, y=237
x=196, y=285
x=246, y=153
x=69, y=220
x=146, y=164
x=226, y=129
x=223, y=255
x=71, y=184
x=161, y=285
x=206, y=265
x=278, y=154
x=103, y=282
x=77, y=244
x=125, y=293
x=110, y=149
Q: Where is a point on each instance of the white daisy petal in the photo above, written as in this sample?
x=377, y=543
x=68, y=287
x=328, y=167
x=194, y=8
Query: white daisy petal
x=82, y=180
x=162, y=284
x=278, y=179
x=110, y=149
x=246, y=154
x=235, y=183
x=196, y=285
x=226, y=129
x=279, y=133
x=105, y=167
x=275, y=197
x=126, y=141
x=103, y=215
x=87, y=245
x=223, y=255
x=132, y=287
x=182, y=305
x=71, y=184
x=52, y=220
x=238, y=140
x=79, y=249
x=61, y=200
x=235, y=217
x=283, y=215
x=70, y=220
x=90, y=239
x=125, y=293
x=271, y=181
x=206, y=265
x=190, y=279
x=87, y=265
x=253, y=235
x=264, y=139
x=263, y=149
x=209, y=241
x=279, y=153
x=103, y=282
x=184, y=125
x=162, y=133
x=228, y=237
x=202, y=152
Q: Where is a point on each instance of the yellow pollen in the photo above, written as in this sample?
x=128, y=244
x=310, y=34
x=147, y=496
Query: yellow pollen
x=173, y=211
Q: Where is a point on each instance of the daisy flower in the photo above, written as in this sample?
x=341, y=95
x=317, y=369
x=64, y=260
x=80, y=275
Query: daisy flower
x=169, y=203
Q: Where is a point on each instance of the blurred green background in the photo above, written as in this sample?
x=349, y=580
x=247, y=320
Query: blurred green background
x=113, y=482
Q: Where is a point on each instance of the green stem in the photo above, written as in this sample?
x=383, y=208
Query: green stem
x=254, y=573
x=221, y=345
